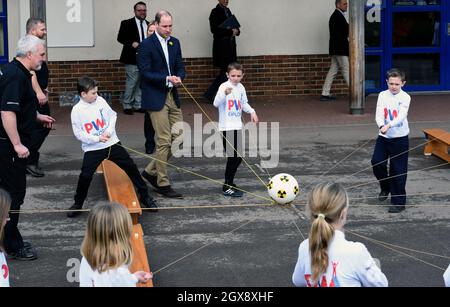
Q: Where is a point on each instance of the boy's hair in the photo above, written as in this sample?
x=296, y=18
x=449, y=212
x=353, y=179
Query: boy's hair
x=396, y=73
x=235, y=66
x=85, y=84
x=32, y=23
x=5, y=205
x=107, y=243
x=139, y=3
x=326, y=202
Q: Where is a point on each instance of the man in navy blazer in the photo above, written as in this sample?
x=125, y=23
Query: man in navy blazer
x=339, y=48
x=162, y=71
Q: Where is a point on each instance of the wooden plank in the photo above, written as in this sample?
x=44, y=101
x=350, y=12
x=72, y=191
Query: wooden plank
x=140, y=260
x=121, y=189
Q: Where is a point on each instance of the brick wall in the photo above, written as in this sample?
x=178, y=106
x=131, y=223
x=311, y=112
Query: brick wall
x=265, y=76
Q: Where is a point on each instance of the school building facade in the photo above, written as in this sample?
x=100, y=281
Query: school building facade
x=283, y=45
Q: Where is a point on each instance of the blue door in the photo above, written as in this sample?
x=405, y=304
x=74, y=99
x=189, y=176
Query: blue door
x=3, y=33
x=411, y=35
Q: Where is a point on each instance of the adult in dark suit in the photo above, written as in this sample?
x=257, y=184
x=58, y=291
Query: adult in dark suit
x=224, y=46
x=162, y=71
x=131, y=33
x=339, y=48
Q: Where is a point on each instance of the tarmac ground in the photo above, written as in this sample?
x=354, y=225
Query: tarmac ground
x=243, y=242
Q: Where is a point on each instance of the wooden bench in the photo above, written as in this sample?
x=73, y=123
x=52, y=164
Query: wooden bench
x=121, y=190
x=438, y=145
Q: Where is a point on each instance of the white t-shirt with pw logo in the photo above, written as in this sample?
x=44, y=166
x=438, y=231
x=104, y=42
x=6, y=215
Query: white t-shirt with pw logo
x=231, y=106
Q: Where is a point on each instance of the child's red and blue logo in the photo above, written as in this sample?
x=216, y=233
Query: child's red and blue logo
x=234, y=108
x=98, y=125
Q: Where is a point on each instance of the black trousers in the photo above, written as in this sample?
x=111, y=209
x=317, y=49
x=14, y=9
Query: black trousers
x=13, y=180
x=39, y=135
x=214, y=87
x=234, y=137
x=116, y=154
x=396, y=151
x=149, y=133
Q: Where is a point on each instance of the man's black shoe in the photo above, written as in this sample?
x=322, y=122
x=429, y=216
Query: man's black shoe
x=168, y=192
x=396, y=208
x=150, y=203
x=24, y=254
x=74, y=213
x=149, y=151
x=128, y=111
x=153, y=180
x=383, y=196
x=327, y=98
x=35, y=171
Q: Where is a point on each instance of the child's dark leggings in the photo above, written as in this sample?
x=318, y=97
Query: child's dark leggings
x=116, y=154
x=234, y=160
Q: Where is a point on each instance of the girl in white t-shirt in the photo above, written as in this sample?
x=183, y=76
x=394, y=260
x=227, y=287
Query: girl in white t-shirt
x=5, y=204
x=231, y=100
x=107, y=250
x=326, y=258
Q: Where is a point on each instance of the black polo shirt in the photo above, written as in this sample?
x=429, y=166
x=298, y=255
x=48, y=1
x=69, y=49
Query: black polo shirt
x=42, y=76
x=17, y=95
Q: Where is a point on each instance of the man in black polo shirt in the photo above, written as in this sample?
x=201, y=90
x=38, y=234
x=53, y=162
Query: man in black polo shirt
x=36, y=27
x=17, y=122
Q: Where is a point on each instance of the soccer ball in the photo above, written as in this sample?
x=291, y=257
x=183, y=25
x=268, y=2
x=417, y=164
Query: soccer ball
x=283, y=188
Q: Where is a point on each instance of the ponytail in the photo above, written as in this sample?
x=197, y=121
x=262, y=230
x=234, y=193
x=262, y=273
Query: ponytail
x=326, y=202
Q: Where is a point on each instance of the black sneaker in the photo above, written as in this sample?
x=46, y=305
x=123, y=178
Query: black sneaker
x=327, y=98
x=150, y=203
x=396, y=208
x=168, y=192
x=24, y=254
x=153, y=180
x=383, y=196
x=35, y=171
x=231, y=191
x=74, y=213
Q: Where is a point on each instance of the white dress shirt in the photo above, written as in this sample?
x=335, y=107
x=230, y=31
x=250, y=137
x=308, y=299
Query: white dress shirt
x=144, y=26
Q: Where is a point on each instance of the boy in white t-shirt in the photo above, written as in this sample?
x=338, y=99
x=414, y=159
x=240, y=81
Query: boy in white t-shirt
x=392, y=143
x=94, y=124
x=231, y=100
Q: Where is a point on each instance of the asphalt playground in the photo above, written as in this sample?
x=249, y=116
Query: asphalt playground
x=208, y=240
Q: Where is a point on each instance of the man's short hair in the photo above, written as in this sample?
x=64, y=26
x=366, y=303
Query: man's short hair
x=33, y=23
x=161, y=14
x=28, y=43
x=338, y=2
x=85, y=84
x=139, y=3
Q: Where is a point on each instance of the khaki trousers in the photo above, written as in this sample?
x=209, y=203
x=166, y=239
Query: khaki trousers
x=163, y=121
x=337, y=62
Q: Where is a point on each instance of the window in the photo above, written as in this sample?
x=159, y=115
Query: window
x=3, y=33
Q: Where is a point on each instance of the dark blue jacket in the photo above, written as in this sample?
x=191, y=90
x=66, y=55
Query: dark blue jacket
x=153, y=70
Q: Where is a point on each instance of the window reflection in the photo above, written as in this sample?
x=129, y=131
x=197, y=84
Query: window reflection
x=373, y=70
x=416, y=29
x=421, y=69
